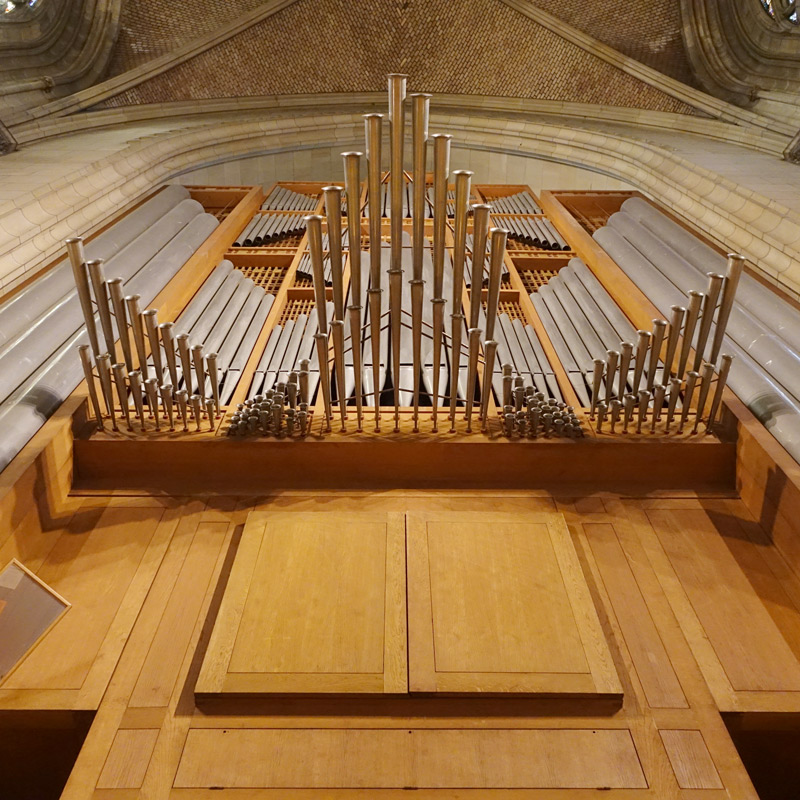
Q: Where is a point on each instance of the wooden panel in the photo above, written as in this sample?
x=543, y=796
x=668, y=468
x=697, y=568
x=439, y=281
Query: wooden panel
x=691, y=762
x=316, y=603
x=746, y=640
x=498, y=603
x=93, y=570
x=128, y=759
x=435, y=759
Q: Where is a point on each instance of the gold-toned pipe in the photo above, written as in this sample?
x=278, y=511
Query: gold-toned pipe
x=103, y=362
x=480, y=230
x=337, y=331
x=612, y=359
x=417, y=292
x=167, y=334
x=472, y=372
x=597, y=377
x=734, y=273
x=722, y=378
x=186, y=360
x=397, y=96
x=498, y=238
x=706, y=374
x=199, y=369
x=352, y=188
x=135, y=379
x=98, y=279
x=135, y=316
x=674, y=394
x=314, y=229
x=374, y=133
x=642, y=343
x=333, y=215
x=213, y=374
x=86, y=362
x=77, y=260
x=321, y=342
x=489, y=353
x=115, y=286
x=715, y=282
x=691, y=383
x=675, y=324
x=659, y=329
x=183, y=405
x=689, y=325
x=441, y=169
x=122, y=391
x=626, y=351
x=150, y=318
x=420, y=111
x=151, y=387
x=166, y=400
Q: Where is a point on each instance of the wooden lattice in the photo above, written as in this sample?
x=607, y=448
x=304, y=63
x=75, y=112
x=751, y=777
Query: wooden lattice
x=510, y=307
x=532, y=279
x=303, y=283
x=294, y=308
x=268, y=278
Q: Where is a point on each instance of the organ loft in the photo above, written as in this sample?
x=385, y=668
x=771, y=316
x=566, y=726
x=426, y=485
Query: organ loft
x=399, y=398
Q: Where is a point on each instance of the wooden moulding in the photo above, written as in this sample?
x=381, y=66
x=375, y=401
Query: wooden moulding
x=767, y=477
x=202, y=462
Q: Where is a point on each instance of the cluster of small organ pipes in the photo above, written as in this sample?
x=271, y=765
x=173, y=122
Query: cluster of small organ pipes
x=285, y=409
x=147, y=383
x=688, y=328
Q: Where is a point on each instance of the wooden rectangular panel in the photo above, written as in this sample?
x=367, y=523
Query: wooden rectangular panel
x=691, y=762
x=128, y=759
x=745, y=638
x=418, y=759
x=498, y=603
x=315, y=603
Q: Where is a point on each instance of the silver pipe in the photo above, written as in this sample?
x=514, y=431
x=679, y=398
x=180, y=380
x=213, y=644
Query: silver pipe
x=676, y=322
x=489, y=353
x=722, y=377
x=601, y=416
x=395, y=317
x=616, y=406
x=77, y=260
x=628, y=403
x=715, y=282
x=417, y=292
x=303, y=381
x=420, y=111
x=374, y=133
x=597, y=378
x=480, y=230
x=135, y=379
x=441, y=170
x=706, y=374
x=199, y=367
x=659, y=329
x=183, y=398
x=352, y=183
x=641, y=414
x=86, y=362
x=397, y=96
x=508, y=382
x=734, y=273
x=135, y=316
x=118, y=304
x=674, y=393
x=659, y=391
x=186, y=360
x=150, y=318
x=321, y=342
x=333, y=214
x=166, y=400
x=358, y=367
x=213, y=374
x=498, y=237
x=691, y=383
x=122, y=392
x=642, y=343
x=103, y=362
x=168, y=339
x=374, y=299
x=612, y=359
x=197, y=409
x=98, y=278
x=626, y=351
x=211, y=411
x=314, y=223
x=337, y=329
x=689, y=325
x=472, y=373
x=151, y=387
